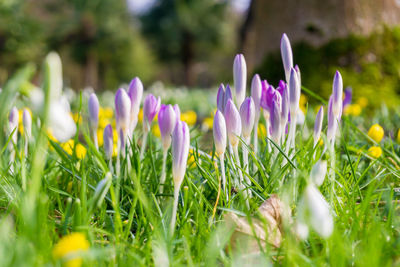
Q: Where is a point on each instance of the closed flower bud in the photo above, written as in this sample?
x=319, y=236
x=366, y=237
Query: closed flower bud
x=256, y=90
x=180, y=151
x=267, y=95
x=287, y=56
x=247, y=115
x=332, y=122
x=337, y=92
x=294, y=91
x=276, y=129
x=318, y=172
x=297, y=69
x=102, y=189
x=375, y=151
x=135, y=93
x=219, y=132
x=108, y=144
x=27, y=122
x=318, y=125
x=285, y=108
x=320, y=219
x=93, y=106
x=221, y=98
x=13, y=124
x=151, y=106
x=177, y=112
x=233, y=123
x=166, y=122
x=376, y=133
x=239, y=78
x=122, y=110
x=348, y=95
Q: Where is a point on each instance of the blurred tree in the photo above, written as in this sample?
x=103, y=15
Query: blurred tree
x=183, y=30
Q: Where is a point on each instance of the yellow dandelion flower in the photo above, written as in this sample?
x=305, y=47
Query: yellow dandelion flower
x=362, y=101
x=352, y=109
x=80, y=151
x=375, y=151
x=103, y=122
x=115, y=135
x=376, y=132
x=190, y=117
x=68, y=146
x=68, y=246
x=115, y=151
x=303, y=102
x=140, y=115
x=107, y=112
x=156, y=130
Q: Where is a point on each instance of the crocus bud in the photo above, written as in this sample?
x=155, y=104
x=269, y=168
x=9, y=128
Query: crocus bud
x=294, y=91
x=122, y=110
x=101, y=190
x=135, y=93
x=27, y=122
x=177, y=112
x=297, y=69
x=276, y=121
x=318, y=125
x=332, y=121
x=256, y=90
x=180, y=152
x=228, y=95
x=285, y=108
x=166, y=122
x=55, y=81
x=233, y=123
x=247, y=115
x=239, y=78
x=13, y=124
x=318, y=172
x=337, y=92
x=219, y=132
x=267, y=95
x=321, y=219
x=287, y=56
x=108, y=144
x=151, y=106
x=221, y=98
x=93, y=105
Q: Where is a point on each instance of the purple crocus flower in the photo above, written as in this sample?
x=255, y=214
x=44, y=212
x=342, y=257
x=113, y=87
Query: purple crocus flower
x=332, y=121
x=256, y=90
x=287, y=56
x=13, y=124
x=135, y=93
x=27, y=122
x=221, y=98
x=93, y=105
x=294, y=91
x=247, y=115
x=285, y=109
x=219, y=132
x=239, y=78
x=122, y=109
x=297, y=69
x=180, y=151
x=108, y=144
x=337, y=92
x=281, y=87
x=177, y=112
x=348, y=95
x=318, y=125
x=267, y=96
x=276, y=120
x=166, y=122
x=150, y=108
x=233, y=123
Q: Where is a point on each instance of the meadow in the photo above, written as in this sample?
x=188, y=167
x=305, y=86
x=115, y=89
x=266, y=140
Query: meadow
x=250, y=174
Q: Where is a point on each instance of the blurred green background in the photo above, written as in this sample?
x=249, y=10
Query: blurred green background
x=192, y=43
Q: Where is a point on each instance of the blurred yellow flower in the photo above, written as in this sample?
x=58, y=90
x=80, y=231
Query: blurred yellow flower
x=190, y=117
x=100, y=139
x=191, y=158
x=67, y=246
x=376, y=132
x=68, y=146
x=106, y=112
x=77, y=117
x=352, y=109
x=115, y=151
x=362, y=101
x=261, y=131
x=375, y=151
x=80, y=151
x=156, y=130
x=303, y=102
x=20, y=117
x=140, y=115
x=115, y=135
x=207, y=123
x=321, y=142
x=398, y=136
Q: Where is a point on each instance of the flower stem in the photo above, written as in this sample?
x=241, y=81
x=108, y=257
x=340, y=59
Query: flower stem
x=174, y=209
x=144, y=141
x=163, y=174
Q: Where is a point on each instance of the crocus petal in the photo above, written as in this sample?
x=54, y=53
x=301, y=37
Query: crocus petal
x=318, y=125
x=233, y=123
x=221, y=98
x=150, y=108
x=93, y=106
x=332, y=121
x=61, y=124
x=294, y=91
x=337, y=92
x=219, y=132
x=247, y=115
x=27, y=122
x=108, y=141
x=123, y=109
x=256, y=90
x=180, y=151
x=166, y=123
x=321, y=219
x=239, y=78
x=318, y=172
x=135, y=93
x=287, y=56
